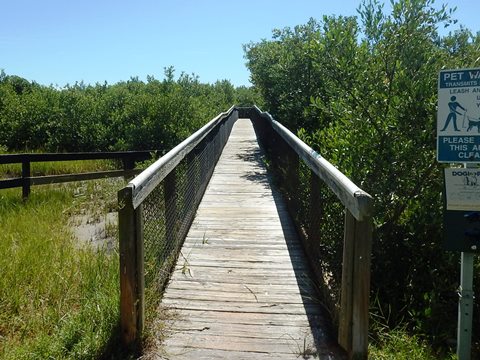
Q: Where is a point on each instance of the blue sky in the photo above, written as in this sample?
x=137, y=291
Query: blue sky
x=59, y=42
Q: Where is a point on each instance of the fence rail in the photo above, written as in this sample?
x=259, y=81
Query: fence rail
x=307, y=186
x=128, y=159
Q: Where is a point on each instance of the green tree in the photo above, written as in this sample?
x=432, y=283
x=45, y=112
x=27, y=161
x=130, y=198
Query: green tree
x=362, y=91
x=130, y=115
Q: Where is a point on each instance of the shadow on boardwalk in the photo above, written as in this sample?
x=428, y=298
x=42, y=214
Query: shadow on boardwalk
x=320, y=323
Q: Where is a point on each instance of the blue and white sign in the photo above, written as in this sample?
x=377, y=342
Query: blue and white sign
x=458, y=116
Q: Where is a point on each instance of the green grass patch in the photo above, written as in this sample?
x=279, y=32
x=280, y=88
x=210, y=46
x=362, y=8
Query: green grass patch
x=58, y=299
x=398, y=344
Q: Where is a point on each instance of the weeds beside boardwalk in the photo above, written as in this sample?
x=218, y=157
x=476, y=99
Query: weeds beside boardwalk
x=398, y=344
x=58, y=300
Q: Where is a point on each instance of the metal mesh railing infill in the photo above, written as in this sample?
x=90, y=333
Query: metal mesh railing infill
x=156, y=210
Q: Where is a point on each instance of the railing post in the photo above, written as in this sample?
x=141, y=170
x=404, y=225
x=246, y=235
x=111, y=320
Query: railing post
x=25, y=178
x=132, y=285
x=170, y=197
x=315, y=209
x=354, y=302
x=292, y=178
x=191, y=189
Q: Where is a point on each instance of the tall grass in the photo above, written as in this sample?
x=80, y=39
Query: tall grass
x=398, y=344
x=58, y=299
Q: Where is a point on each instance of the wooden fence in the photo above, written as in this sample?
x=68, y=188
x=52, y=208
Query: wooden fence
x=128, y=159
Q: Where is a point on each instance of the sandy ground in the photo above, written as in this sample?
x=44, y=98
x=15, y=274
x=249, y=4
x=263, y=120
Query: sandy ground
x=97, y=232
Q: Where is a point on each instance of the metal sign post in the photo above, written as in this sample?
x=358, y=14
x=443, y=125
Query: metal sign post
x=465, y=303
x=465, y=307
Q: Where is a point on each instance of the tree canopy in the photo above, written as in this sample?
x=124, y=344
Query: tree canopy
x=129, y=115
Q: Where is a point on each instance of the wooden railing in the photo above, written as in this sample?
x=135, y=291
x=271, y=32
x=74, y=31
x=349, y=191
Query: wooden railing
x=128, y=159
x=156, y=210
x=285, y=151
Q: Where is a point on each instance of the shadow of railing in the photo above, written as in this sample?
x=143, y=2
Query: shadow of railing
x=319, y=319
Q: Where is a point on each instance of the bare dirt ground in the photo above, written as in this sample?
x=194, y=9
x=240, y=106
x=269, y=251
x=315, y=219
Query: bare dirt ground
x=93, y=216
x=99, y=233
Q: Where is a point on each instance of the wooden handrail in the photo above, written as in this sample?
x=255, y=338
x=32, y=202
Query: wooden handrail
x=357, y=201
x=42, y=157
x=143, y=184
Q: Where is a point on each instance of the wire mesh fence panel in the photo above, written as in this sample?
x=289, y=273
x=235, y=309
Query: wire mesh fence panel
x=317, y=213
x=156, y=246
x=155, y=226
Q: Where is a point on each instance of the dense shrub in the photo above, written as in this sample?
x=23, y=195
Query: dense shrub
x=130, y=115
x=363, y=92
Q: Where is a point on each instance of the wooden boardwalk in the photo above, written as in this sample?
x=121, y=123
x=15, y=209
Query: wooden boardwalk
x=241, y=288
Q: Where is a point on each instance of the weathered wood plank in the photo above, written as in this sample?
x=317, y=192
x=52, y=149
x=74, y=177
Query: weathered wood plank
x=260, y=331
x=242, y=277
x=57, y=179
x=264, y=319
x=244, y=298
x=277, y=289
x=283, y=345
x=244, y=307
x=253, y=265
x=231, y=274
x=183, y=353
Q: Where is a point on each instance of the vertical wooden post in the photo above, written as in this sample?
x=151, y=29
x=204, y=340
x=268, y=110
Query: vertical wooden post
x=292, y=179
x=315, y=209
x=128, y=164
x=138, y=215
x=25, y=178
x=361, y=280
x=170, y=197
x=223, y=134
x=346, y=306
x=353, y=326
x=131, y=269
x=203, y=161
x=191, y=189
